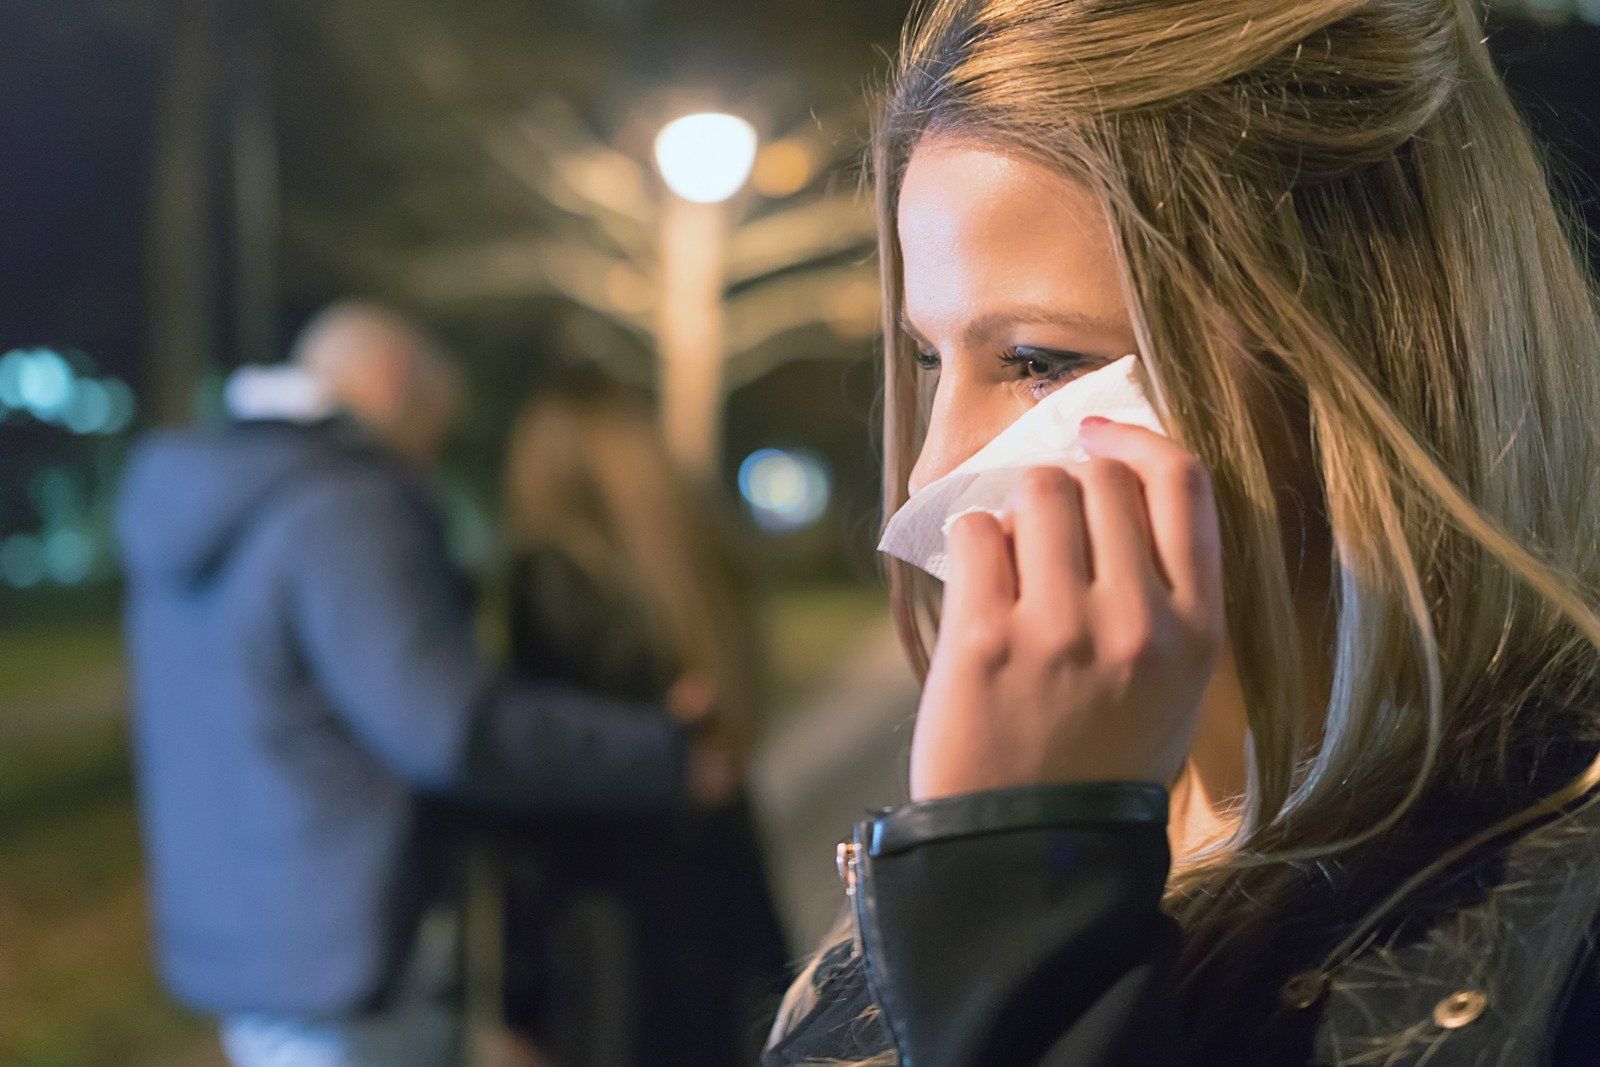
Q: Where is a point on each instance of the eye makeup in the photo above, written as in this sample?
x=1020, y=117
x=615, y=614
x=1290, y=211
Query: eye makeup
x=1046, y=369
x=1043, y=370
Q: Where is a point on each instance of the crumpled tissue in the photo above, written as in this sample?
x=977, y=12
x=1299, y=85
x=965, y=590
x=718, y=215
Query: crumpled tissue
x=1045, y=435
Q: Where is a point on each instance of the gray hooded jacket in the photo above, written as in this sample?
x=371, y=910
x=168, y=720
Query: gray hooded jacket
x=304, y=674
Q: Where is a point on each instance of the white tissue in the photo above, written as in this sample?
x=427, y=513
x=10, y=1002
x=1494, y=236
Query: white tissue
x=1045, y=435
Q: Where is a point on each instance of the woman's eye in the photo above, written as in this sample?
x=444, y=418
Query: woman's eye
x=927, y=359
x=1043, y=368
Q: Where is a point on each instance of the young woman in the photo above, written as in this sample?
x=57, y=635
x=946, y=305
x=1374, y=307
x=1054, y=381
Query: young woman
x=634, y=941
x=1271, y=742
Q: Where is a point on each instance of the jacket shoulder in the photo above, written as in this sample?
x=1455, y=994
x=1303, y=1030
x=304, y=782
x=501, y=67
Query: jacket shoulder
x=1486, y=981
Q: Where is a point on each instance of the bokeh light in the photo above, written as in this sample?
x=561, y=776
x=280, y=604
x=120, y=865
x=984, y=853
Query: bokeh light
x=22, y=561
x=11, y=365
x=705, y=158
x=44, y=384
x=68, y=555
x=786, y=491
x=89, y=410
x=783, y=168
x=119, y=395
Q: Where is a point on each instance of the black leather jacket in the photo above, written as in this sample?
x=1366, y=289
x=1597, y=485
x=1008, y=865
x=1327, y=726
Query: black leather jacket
x=1024, y=927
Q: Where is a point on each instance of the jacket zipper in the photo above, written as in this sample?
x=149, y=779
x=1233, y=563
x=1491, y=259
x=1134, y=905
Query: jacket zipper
x=848, y=856
x=849, y=860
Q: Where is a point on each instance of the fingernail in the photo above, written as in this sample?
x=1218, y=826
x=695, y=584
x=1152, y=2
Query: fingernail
x=1092, y=422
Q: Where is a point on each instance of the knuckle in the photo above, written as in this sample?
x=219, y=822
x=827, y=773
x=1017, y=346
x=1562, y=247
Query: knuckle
x=1158, y=649
x=1060, y=637
x=1106, y=472
x=1153, y=635
x=1188, y=475
x=972, y=529
x=985, y=641
x=1144, y=639
x=1071, y=644
x=1206, y=639
x=1040, y=484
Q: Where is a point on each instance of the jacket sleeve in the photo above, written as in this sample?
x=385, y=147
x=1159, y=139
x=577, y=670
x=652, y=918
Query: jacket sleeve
x=1021, y=926
x=389, y=639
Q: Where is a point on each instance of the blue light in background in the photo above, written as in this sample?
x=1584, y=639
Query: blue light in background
x=22, y=561
x=43, y=383
x=60, y=389
x=68, y=555
x=120, y=396
x=786, y=491
x=56, y=494
x=90, y=409
x=11, y=365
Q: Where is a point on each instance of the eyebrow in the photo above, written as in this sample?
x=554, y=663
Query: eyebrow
x=991, y=323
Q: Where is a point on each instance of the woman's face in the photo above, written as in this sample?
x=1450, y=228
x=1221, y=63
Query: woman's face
x=1011, y=290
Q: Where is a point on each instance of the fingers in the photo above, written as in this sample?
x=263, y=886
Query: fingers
x=1051, y=545
x=982, y=579
x=1119, y=527
x=1140, y=512
x=1181, y=507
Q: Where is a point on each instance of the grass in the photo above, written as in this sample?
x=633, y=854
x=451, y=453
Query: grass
x=61, y=726
x=76, y=982
x=43, y=780
x=76, y=985
x=35, y=660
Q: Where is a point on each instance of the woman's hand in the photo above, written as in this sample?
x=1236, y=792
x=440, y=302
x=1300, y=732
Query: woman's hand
x=692, y=699
x=713, y=770
x=1077, y=635
x=711, y=775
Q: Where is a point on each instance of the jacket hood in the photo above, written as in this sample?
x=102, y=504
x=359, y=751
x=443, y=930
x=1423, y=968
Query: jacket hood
x=189, y=497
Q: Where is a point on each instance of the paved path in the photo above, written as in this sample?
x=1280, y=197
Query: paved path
x=842, y=751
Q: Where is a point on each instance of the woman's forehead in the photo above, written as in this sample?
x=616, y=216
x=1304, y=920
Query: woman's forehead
x=981, y=229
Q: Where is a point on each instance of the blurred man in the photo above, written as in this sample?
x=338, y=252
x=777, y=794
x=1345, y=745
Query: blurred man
x=304, y=676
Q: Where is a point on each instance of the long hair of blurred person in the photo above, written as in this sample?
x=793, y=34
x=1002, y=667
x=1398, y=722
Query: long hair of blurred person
x=623, y=577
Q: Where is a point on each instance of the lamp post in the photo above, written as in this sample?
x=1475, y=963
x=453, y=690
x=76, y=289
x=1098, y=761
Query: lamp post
x=704, y=159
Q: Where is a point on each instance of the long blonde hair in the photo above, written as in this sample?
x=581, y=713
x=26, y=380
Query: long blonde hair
x=589, y=476
x=1336, y=198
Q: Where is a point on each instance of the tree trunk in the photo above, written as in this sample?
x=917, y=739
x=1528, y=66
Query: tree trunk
x=182, y=253
x=256, y=200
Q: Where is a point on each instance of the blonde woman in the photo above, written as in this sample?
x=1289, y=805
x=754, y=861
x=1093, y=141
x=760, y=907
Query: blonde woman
x=639, y=941
x=1271, y=742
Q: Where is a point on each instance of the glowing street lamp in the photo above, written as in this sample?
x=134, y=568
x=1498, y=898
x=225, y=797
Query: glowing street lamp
x=704, y=159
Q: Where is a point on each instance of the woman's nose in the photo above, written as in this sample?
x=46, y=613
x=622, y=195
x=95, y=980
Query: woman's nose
x=959, y=424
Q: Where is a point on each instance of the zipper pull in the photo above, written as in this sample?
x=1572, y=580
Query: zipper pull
x=848, y=856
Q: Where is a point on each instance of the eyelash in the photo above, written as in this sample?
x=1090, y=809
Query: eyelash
x=1059, y=366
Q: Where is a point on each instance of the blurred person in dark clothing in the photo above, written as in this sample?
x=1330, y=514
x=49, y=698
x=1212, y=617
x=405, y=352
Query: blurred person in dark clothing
x=305, y=680
x=624, y=581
